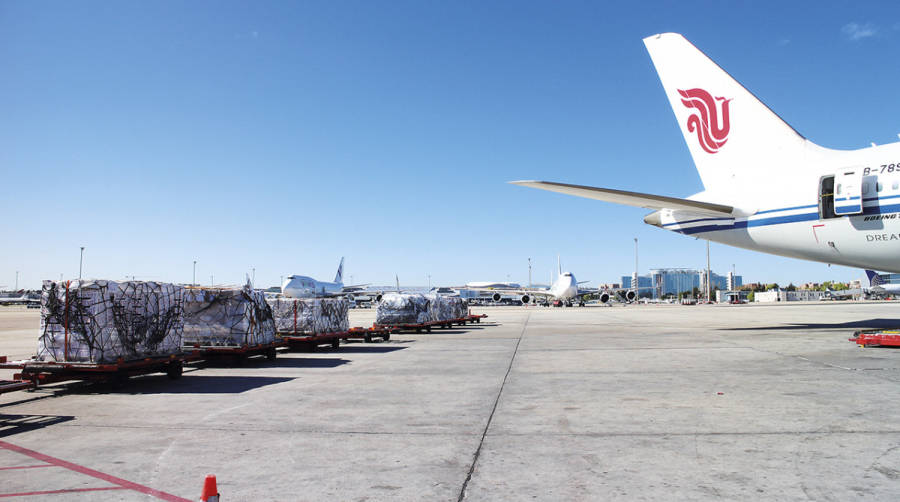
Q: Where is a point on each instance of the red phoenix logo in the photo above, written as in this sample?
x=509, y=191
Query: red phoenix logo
x=705, y=118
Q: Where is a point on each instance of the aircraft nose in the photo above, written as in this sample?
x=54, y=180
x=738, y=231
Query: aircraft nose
x=653, y=219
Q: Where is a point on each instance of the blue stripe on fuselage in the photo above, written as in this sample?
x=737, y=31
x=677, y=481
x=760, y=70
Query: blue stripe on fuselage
x=777, y=220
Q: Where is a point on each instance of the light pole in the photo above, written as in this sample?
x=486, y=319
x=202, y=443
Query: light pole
x=194, y=277
x=708, y=276
x=211, y=280
x=634, y=281
x=253, y=278
x=80, y=262
x=17, y=281
x=529, y=272
x=429, y=281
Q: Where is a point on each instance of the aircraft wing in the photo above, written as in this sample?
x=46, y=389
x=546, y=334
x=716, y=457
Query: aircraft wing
x=636, y=199
x=514, y=292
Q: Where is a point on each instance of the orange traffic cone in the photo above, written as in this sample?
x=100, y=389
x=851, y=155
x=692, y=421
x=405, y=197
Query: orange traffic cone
x=210, y=492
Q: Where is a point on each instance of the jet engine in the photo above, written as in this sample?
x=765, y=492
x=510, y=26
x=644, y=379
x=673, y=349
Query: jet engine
x=525, y=299
x=604, y=297
x=631, y=295
x=496, y=297
x=378, y=298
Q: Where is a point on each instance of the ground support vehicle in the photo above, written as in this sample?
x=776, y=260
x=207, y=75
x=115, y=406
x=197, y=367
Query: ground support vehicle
x=877, y=338
x=37, y=373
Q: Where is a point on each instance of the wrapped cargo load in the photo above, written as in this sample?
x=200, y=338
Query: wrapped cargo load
x=445, y=308
x=310, y=315
x=101, y=321
x=227, y=317
x=402, y=308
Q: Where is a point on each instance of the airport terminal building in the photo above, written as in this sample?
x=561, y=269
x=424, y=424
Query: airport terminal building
x=672, y=281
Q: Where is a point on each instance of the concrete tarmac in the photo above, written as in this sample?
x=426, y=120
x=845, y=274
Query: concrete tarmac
x=657, y=402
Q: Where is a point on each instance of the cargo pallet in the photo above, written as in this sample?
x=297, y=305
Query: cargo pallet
x=240, y=353
x=367, y=334
x=309, y=341
x=36, y=373
x=877, y=338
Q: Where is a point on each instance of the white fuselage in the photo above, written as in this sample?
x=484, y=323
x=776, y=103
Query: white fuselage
x=787, y=220
x=565, y=287
x=299, y=286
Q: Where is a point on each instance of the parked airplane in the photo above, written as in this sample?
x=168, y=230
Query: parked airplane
x=877, y=286
x=767, y=188
x=301, y=286
x=25, y=299
x=563, y=291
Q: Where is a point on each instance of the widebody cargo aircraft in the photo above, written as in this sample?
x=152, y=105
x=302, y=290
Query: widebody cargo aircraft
x=767, y=188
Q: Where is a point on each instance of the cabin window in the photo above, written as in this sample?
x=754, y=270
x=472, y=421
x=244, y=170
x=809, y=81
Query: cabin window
x=879, y=187
x=895, y=185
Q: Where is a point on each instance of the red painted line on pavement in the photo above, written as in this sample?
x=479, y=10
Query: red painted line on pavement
x=52, y=492
x=94, y=474
x=25, y=467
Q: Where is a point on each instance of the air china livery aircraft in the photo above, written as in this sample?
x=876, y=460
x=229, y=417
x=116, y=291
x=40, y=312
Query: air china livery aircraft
x=767, y=188
x=300, y=286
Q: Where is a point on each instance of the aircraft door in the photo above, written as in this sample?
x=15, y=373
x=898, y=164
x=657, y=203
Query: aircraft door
x=848, y=193
x=826, y=198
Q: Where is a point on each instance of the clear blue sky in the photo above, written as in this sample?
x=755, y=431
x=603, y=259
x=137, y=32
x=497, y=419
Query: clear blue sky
x=282, y=136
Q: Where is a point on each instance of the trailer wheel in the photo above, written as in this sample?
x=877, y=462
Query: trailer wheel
x=336, y=343
x=386, y=337
x=368, y=338
x=428, y=329
x=271, y=353
x=175, y=370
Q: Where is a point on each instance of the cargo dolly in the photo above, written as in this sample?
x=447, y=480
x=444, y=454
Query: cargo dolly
x=237, y=353
x=476, y=317
x=37, y=373
x=877, y=338
x=309, y=341
x=368, y=334
x=417, y=327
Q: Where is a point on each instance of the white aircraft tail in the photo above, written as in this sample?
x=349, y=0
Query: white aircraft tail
x=736, y=141
x=339, y=277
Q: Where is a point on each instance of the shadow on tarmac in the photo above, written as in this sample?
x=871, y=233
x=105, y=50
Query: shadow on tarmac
x=15, y=424
x=863, y=324
x=367, y=349
x=195, y=384
x=307, y=362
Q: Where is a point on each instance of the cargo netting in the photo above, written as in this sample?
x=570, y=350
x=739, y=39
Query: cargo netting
x=231, y=317
x=99, y=321
x=445, y=308
x=310, y=315
x=403, y=308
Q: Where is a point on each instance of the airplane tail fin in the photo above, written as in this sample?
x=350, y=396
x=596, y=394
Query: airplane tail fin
x=874, y=278
x=339, y=277
x=736, y=141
